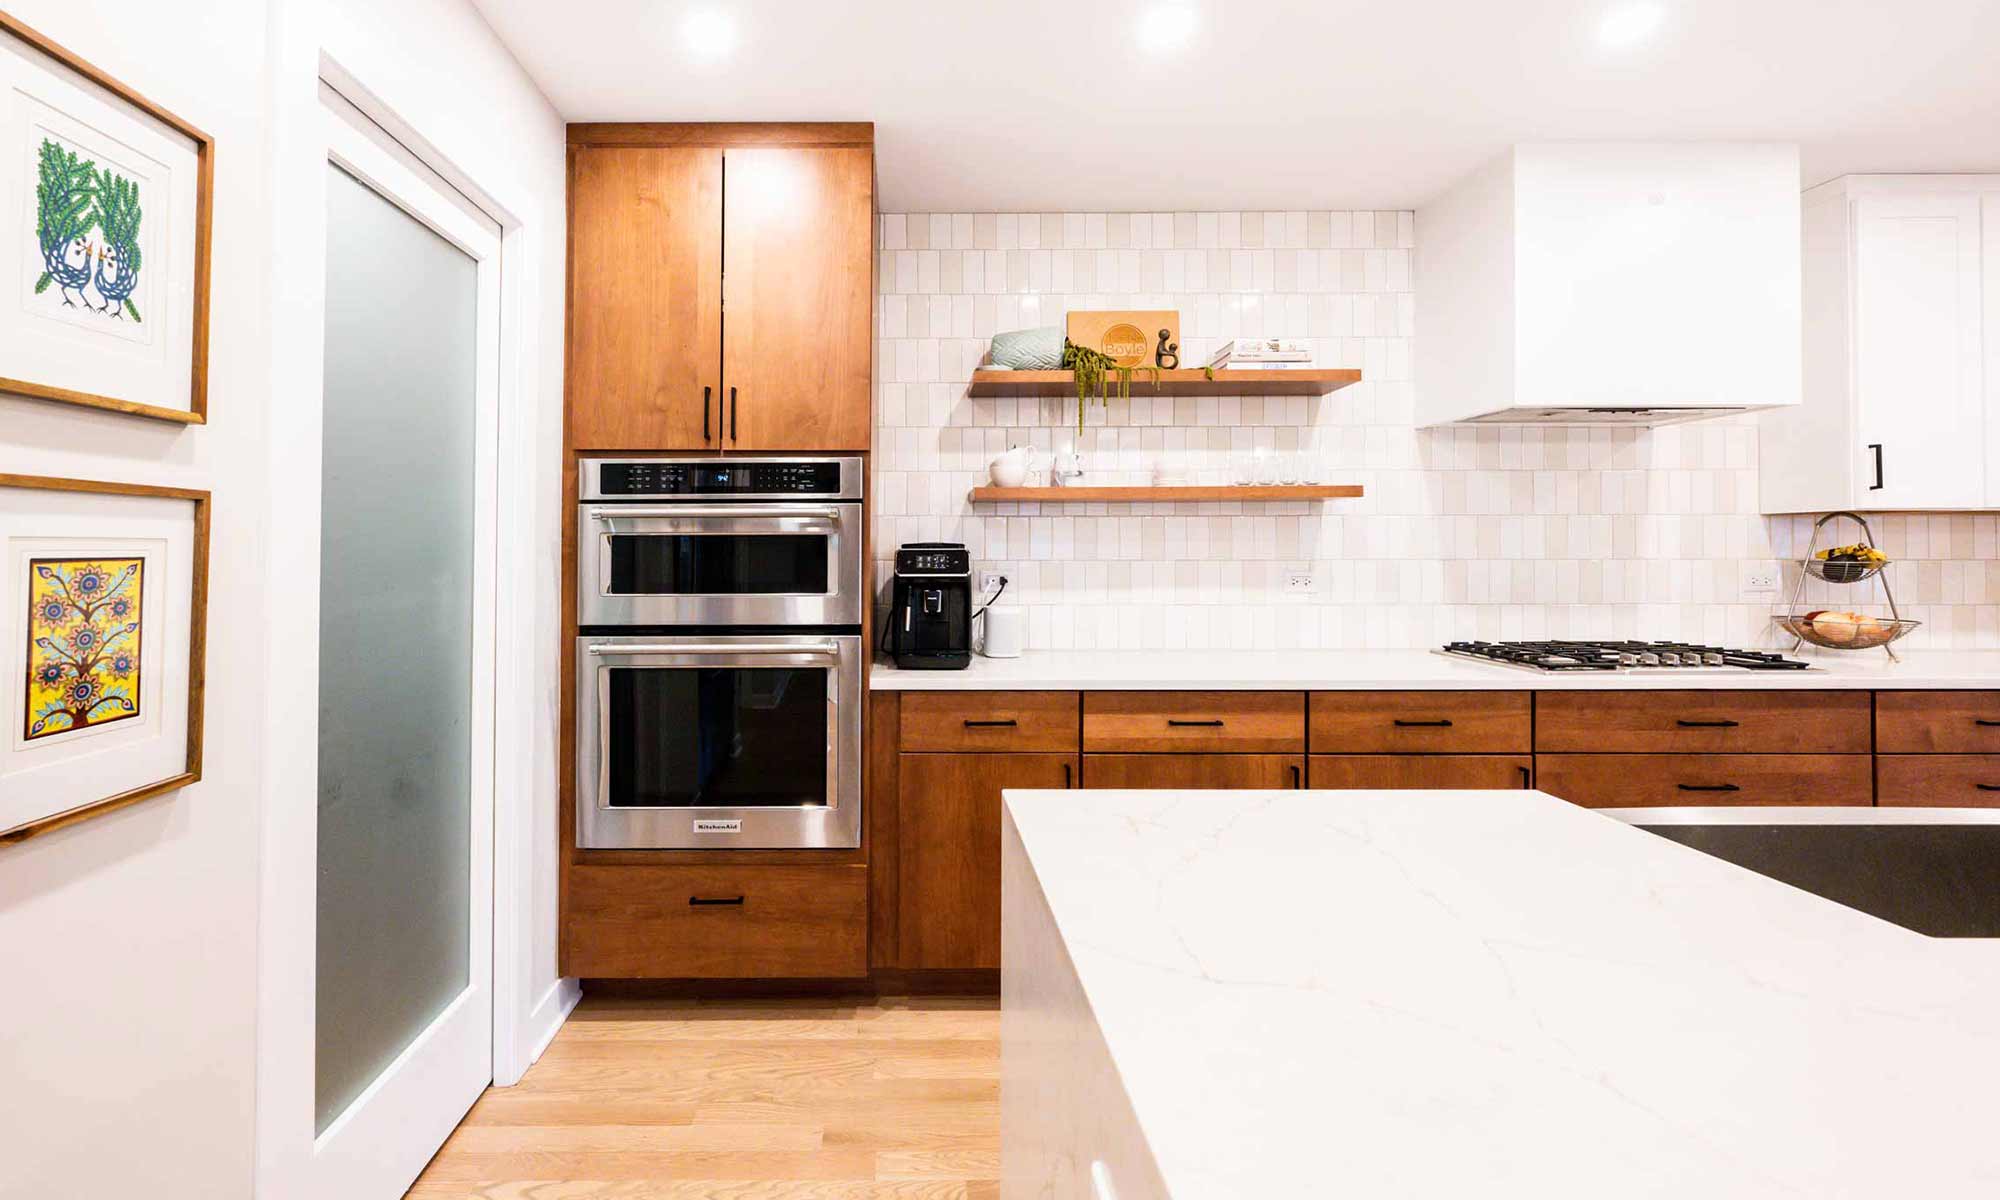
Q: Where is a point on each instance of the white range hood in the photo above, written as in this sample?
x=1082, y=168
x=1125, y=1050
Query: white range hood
x=1611, y=284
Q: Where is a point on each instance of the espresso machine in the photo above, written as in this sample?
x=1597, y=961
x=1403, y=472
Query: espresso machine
x=930, y=608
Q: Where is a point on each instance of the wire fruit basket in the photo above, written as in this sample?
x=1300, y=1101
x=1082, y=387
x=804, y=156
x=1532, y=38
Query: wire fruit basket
x=1833, y=630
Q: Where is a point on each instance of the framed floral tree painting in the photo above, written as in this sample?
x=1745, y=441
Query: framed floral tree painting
x=104, y=264
x=102, y=619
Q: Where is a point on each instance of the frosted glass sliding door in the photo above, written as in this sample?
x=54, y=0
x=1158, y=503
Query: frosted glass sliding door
x=396, y=642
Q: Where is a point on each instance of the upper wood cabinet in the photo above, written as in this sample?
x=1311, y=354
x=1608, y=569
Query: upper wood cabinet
x=721, y=283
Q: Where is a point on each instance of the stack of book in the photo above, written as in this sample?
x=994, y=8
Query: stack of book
x=1262, y=354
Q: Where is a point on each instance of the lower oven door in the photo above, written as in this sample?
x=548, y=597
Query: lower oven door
x=719, y=742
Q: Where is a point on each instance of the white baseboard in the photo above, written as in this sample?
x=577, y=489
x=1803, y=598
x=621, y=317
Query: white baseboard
x=540, y=1028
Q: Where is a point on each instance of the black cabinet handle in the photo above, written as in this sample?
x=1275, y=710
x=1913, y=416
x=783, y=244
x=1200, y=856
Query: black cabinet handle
x=715, y=901
x=1987, y=787
x=1006, y=724
x=1195, y=724
x=1983, y=723
x=705, y=390
x=732, y=414
x=1706, y=724
x=1527, y=778
x=1298, y=776
x=1402, y=724
x=1708, y=787
x=1066, y=778
x=1876, y=449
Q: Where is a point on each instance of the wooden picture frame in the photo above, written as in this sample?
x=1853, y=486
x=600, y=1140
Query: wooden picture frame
x=189, y=770
x=190, y=313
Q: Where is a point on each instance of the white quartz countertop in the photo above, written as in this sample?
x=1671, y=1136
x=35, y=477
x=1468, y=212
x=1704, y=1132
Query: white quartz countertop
x=1385, y=670
x=1500, y=994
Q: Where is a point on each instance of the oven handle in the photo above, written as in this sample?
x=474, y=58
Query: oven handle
x=827, y=511
x=817, y=649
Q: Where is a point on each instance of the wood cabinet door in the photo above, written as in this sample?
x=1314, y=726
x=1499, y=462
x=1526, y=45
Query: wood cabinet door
x=1194, y=770
x=1392, y=772
x=645, y=298
x=1705, y=780
x=948, y=829
x=798, y=267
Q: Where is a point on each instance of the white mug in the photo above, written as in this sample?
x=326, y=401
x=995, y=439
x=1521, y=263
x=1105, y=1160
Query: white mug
x=1006, y=631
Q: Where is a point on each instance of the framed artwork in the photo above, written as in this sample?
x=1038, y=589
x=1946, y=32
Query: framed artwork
x=103, y=609
x=105, y=202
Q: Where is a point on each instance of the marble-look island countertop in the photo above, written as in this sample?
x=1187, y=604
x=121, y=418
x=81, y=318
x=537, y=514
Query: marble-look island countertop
x=1391, y=670
x=1237, y=994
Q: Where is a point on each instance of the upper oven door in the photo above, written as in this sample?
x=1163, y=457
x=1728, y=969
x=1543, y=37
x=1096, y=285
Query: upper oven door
x=719, y=563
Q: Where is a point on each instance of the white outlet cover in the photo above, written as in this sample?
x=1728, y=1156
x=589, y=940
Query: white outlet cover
x=1300, y=583
x=1760, y=581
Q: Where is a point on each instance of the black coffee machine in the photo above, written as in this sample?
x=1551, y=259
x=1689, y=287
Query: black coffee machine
x=930, y=608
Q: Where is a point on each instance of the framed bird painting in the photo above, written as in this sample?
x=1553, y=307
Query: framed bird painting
x=103, y=607
x=105, y=198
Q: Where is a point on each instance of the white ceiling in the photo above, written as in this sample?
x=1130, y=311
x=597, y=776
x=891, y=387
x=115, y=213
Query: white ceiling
x=1046, y=105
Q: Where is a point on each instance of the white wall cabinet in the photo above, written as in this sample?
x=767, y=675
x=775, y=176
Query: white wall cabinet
x=1902, y=350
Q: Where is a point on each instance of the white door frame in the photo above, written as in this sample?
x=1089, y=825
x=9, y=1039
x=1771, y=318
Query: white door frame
x=285, y=1070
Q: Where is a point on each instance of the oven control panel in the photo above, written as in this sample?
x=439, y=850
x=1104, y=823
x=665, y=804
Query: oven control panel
x=636, y=478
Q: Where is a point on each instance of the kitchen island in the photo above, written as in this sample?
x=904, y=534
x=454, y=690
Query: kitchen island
x=1284, y=993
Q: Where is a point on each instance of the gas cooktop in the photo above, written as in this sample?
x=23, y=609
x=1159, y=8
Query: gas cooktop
x=1623, y=656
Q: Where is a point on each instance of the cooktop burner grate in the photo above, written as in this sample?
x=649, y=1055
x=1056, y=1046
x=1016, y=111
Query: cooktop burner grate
x=1623, y=656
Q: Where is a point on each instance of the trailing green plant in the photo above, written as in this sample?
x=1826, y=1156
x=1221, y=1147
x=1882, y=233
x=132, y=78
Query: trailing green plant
x=1094, y=371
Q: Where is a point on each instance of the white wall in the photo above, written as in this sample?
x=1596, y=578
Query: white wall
x=127, y=943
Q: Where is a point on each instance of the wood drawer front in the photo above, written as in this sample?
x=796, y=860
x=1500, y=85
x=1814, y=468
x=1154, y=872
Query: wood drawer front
x=1696, y=722
x=639, y=922
x=1422, y=722
x=1205, y=771
x=1165, y=722
x=1937, y=722
x=1702, y=780
x=953, y=721
x=1399, y=771
x=1938, y=780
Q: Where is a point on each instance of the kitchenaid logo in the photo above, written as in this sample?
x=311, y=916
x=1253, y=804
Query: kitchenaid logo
x=711, y=826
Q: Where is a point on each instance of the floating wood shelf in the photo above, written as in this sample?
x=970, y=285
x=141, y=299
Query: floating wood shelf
x=1163, y=495
x=1315, y=382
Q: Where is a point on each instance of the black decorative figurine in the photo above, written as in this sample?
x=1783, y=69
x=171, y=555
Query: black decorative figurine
x=1168, y=356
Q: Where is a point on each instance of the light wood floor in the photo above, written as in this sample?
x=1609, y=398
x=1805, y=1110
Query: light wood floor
x=756, y=1100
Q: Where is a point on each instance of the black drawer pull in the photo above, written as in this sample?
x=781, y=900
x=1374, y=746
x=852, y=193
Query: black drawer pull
x=1196, y=724
x=1708, y=787
x=1527, y=778
x=1984, y=723
x=704, y=412
x=1298, y=776
x=715, y=901
x=1009, y=723
x=1402, y=724
x=1066, y=777
x=1987, y=787
x=1706, y=724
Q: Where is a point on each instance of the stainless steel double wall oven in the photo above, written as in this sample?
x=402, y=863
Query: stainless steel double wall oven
x=720, y=655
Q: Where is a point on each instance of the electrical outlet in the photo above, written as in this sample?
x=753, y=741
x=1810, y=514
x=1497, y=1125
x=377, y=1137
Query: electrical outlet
x=989, y=582
x=1300, y=583
x=1760, y=580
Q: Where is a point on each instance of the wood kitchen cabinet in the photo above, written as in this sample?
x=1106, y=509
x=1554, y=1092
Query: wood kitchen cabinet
x=1205, y=771
x=1401, y=772
x=948, y=892
x=721, y=283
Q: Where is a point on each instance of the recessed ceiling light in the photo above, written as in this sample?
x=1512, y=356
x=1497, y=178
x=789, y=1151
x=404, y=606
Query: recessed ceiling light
x=1165, y=28
x=1629, y=24
x=709, y=33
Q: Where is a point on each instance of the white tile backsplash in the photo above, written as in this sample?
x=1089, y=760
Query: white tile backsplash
x=1464, y=532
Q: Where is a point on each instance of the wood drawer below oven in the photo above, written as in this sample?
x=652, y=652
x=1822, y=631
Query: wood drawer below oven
x=1703, y=722
x=1938, y=780
x=1212, y=722
x=721, y=922
x=1695, y=780
x=1422, y=722
x=1937, y=722
x=959, y=721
